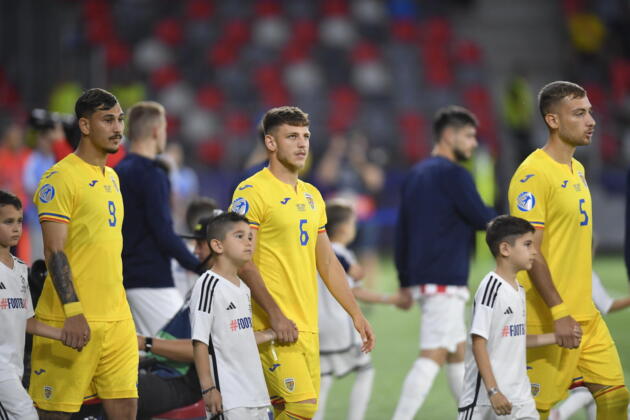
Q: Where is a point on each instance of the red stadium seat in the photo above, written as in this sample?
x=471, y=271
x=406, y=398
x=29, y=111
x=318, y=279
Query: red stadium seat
x=169, y=31
x=404, y=30
x=210, y=97
x=199, y=9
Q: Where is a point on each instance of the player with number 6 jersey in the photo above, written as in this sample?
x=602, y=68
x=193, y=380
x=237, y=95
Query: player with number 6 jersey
x=288, y=217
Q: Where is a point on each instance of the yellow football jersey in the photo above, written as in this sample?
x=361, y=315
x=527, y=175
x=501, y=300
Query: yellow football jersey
x=552, y=197
x=89, y=201
x=288, y=222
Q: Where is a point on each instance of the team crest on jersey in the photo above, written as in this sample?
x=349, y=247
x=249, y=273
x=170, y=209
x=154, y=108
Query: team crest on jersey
x=114, y=183
x=46, y=193
x=583, y=178
x=240, y=206
x=535, y=390
x=309, y=199
x=525, y=201
x=289, y=384
x=48, y=392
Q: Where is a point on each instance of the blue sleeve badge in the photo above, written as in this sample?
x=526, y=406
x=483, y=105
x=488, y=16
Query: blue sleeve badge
x=46, y=193
x=240, y=206
x=525, y=201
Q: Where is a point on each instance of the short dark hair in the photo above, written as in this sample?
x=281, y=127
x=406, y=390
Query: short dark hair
x=143, y=115
x=198, y=208
x=8, y=199
x=290, y=115
x=554, y=92
x=219, y=225
x=452, y=116
x=93, y=100
x=337, y=213
x=505, y=228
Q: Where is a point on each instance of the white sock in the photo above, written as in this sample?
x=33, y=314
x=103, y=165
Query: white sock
x=455, y=377
x=578, y=398
x=415, y=388
x=324, y=388
x=360, y=395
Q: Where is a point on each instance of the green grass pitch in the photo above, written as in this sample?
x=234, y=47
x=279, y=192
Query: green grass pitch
x=397, y=346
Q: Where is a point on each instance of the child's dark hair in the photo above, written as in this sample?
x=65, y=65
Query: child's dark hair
x=337, y=213
x=8, y=199
x=219, y=225
x=505, y=228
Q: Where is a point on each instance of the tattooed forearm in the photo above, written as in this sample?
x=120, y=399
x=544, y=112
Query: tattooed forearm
x=62, y=277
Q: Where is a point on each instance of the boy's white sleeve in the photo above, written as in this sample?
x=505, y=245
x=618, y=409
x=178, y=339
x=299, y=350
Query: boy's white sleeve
x=601, y=298
x=201, y=309
x=483, y=310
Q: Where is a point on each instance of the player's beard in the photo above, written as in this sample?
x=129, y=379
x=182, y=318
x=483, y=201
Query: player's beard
x=287, y=163
x=460, y=156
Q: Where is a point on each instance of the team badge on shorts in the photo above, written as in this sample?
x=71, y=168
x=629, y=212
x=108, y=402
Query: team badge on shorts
x=47, y=391
x=289, y=384
x=535, y=390
x=525, y=201
x=46, y=193
x=240, y=206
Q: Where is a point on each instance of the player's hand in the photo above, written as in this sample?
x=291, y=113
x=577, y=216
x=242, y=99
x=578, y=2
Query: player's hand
x=565, y=332
x=141, y=342
x=405, y=300
x=367, y=335
x=213, y=402
x=285, y=329
x=500, y=404
x=577, y=332
x=75, y=332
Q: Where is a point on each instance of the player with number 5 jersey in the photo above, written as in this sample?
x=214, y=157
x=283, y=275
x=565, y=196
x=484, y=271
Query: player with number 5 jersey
x=288, y=217
x=549, y=190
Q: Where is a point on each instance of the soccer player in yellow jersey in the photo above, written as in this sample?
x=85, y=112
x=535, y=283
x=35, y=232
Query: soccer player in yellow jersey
x=549, y=190
x=81, y=212
x=288, y=217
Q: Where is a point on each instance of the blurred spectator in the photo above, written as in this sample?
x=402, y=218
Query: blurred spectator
x=518, y=112
x=184, y=180
x=38, y=162
x=587, y=32
x=13, y=157
x=149, y=239
x=346, y=170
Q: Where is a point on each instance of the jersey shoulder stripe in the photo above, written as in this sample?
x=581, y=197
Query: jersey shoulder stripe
x=209, y=283
x=490, y=293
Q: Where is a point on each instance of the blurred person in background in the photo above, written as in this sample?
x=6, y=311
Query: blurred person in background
x=149, y=239
x=13, y=156
x=345, y=170
x=38, y=162
x=199, y=208
x=440, y=210
x=184, y=181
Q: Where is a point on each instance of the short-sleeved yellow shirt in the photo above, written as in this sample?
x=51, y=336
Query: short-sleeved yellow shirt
x=553, y=197
x=89, y=201
x=288, y=222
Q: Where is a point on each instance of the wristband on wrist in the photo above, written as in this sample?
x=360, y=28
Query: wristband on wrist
x=205, y=391
x=559, y=311
x=492, y=391
x=148, y=344
x=72, y=309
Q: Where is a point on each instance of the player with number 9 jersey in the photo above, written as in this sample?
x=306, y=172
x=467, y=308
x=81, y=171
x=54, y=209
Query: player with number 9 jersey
x=286, y=261
x=552, y=197
x=89, y=201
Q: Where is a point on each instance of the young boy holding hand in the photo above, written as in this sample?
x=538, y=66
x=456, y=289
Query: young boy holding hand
x=495, y=379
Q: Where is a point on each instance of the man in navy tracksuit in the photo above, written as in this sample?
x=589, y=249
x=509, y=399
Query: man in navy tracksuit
x=149, y=241
x=439, y=213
